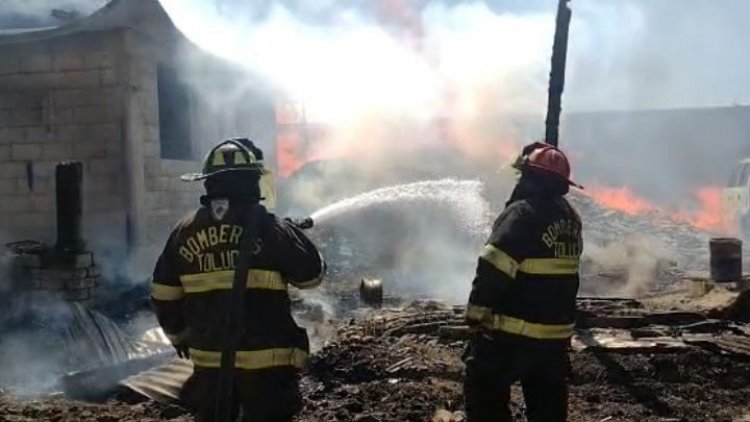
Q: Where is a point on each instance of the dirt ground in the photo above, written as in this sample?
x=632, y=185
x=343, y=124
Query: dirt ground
x=396, y=366
x=61, y=410
x=343, y=386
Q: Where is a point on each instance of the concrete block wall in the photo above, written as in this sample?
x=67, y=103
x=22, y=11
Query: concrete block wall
x=167, y=197
x=60, y=99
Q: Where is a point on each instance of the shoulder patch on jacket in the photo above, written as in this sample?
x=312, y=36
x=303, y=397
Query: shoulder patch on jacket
x=517, y=209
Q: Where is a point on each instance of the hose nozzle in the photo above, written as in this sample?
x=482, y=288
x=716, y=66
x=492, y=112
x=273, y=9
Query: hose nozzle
x=302, y=223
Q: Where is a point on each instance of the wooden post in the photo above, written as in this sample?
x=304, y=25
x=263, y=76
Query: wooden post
x=557, y=73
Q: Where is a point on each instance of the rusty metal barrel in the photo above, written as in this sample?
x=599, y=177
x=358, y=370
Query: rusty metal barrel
x=371, y=292
x=726, y=259
x=69, y=190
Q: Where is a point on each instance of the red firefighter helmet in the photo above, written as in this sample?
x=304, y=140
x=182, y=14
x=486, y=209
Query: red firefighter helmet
x=550, y=160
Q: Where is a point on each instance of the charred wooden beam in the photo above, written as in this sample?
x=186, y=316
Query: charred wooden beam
x=455, y=332
x=69, y=182
x=587, y=320
x=557, y=73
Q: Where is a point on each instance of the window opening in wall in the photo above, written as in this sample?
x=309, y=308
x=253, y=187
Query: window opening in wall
x=174, y=116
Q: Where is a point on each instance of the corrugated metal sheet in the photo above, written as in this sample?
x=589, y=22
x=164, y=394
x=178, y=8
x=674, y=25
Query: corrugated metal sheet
x=99, y=383
x=162, y=383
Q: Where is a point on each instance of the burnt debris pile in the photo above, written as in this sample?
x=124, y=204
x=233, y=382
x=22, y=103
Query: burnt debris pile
x=628, y=362
x=386, y=365
x=630, y=255
x=604, y=225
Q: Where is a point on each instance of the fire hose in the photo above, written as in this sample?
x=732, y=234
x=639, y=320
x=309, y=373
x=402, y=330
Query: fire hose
x=237, y=306
x=301, y=223
x=234, y=316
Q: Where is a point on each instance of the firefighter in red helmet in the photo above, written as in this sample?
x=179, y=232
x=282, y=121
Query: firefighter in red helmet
x=522, y=303
x=192, y=285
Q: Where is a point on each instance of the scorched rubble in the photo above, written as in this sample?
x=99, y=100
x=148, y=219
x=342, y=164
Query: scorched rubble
x=400, y=366
x=405, y=365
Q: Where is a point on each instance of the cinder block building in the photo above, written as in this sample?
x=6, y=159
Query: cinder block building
x=125, y=93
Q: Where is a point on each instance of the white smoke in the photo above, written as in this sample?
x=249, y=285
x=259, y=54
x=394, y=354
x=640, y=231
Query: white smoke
x=382, y=72
x=343, y=57
x=639, y=260
x=354, y=64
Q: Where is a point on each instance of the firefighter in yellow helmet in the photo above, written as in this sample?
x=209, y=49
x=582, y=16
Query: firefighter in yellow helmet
x=522, y=303
x=192, y=285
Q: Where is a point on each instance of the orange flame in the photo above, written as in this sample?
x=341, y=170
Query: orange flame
x=620, y=199
x=289, y=141
x=708, y=216
x=289, y=153
x=299, y=142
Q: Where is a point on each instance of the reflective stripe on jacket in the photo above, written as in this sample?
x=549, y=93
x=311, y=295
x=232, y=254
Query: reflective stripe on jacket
x=257, y=359
x=193, y=279
x=527, y=274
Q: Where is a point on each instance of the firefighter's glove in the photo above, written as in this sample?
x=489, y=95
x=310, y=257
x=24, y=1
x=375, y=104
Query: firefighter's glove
x=182, y=351
x=301, y=223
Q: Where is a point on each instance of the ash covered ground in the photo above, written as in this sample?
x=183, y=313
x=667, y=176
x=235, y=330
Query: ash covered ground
x=400, y=365
x=403, y=362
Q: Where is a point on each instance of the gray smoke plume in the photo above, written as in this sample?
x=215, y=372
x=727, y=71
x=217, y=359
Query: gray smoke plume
x=647, y=56
x=658, y=54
